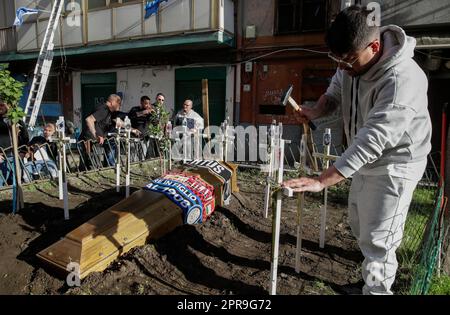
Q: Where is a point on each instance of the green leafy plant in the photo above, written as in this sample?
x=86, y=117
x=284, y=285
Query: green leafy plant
x=10, y=92
x=158, y=121
x=440, y=285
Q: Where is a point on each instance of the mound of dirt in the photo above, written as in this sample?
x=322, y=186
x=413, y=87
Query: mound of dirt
x=229, y=254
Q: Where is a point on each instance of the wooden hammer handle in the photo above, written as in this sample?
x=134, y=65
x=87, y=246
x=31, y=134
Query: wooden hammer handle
x=299, y=109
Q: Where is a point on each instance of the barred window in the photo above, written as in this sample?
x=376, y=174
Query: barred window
x=297, y=16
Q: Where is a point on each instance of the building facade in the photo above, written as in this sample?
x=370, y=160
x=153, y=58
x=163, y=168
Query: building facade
x=107, y=46
x=250, y=50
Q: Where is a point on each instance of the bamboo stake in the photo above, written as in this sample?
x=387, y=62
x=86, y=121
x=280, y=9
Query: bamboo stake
x=18, y=203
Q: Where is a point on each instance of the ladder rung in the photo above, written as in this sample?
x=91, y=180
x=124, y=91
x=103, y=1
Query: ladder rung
x=43, y=64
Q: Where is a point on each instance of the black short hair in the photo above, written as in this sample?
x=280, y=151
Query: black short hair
x=351, y=31
x=160, y=94
x=145, y=98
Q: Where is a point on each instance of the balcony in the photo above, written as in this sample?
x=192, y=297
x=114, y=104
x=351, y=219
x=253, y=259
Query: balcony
x=89, y=30
x=7, y=39
x=418, y=14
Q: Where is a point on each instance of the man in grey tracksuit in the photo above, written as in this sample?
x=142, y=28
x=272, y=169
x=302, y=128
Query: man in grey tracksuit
x=383, y=96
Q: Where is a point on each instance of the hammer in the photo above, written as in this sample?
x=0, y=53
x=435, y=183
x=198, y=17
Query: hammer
x=286, y=98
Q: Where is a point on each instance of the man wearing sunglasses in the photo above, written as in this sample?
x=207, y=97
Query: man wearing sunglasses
x=383, y=96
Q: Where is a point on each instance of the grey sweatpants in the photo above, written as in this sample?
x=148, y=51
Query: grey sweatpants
x=378, y=206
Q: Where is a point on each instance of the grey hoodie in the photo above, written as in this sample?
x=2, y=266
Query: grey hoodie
x=385, y=111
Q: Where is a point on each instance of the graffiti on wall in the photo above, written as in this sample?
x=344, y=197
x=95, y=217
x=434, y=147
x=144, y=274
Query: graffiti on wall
x=272, y=96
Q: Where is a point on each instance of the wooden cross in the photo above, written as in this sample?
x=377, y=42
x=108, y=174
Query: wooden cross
x=300, y=206
x=288, y=192
x=326, y=158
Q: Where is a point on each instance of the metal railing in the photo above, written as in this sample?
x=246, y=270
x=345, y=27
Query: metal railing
x=38, y=162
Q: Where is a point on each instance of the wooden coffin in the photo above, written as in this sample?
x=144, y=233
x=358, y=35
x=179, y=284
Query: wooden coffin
x=234, y=180
x=132, y=222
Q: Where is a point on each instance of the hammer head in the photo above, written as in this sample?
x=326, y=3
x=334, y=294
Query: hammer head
x=286, y=95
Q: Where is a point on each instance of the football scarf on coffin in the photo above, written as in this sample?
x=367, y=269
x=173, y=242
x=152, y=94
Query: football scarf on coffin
x=200, y=187
x=212, y=179
x=206, y=193
x=219, y=170
x=179, y=194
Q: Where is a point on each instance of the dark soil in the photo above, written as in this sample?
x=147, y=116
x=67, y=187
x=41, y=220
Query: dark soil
x=229, y=254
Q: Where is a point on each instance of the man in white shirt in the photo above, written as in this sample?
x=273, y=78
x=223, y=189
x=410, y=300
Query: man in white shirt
x=188, y=116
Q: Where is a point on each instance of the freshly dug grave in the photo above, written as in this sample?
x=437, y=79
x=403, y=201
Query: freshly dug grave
x=229, y=254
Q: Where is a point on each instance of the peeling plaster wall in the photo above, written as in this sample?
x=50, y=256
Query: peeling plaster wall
x=133, y=83
x=136, y=82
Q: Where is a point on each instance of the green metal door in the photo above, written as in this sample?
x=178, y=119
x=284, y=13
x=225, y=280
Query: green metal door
x=95, y=89
x=188, y=85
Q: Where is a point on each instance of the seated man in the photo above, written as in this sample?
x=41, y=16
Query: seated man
x=43, y=155
x=194, y=123
x=140, y=116
x=188, y=117
x=41, y=141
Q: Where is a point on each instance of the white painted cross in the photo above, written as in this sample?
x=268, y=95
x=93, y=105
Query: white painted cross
x=117, y=136
x=61, y=141
x=276, y=216
x=121, y=133
x=127, y=126
x=270, y=167
x=226, y=140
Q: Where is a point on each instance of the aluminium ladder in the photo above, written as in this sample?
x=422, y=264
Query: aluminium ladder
x=43, y=65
